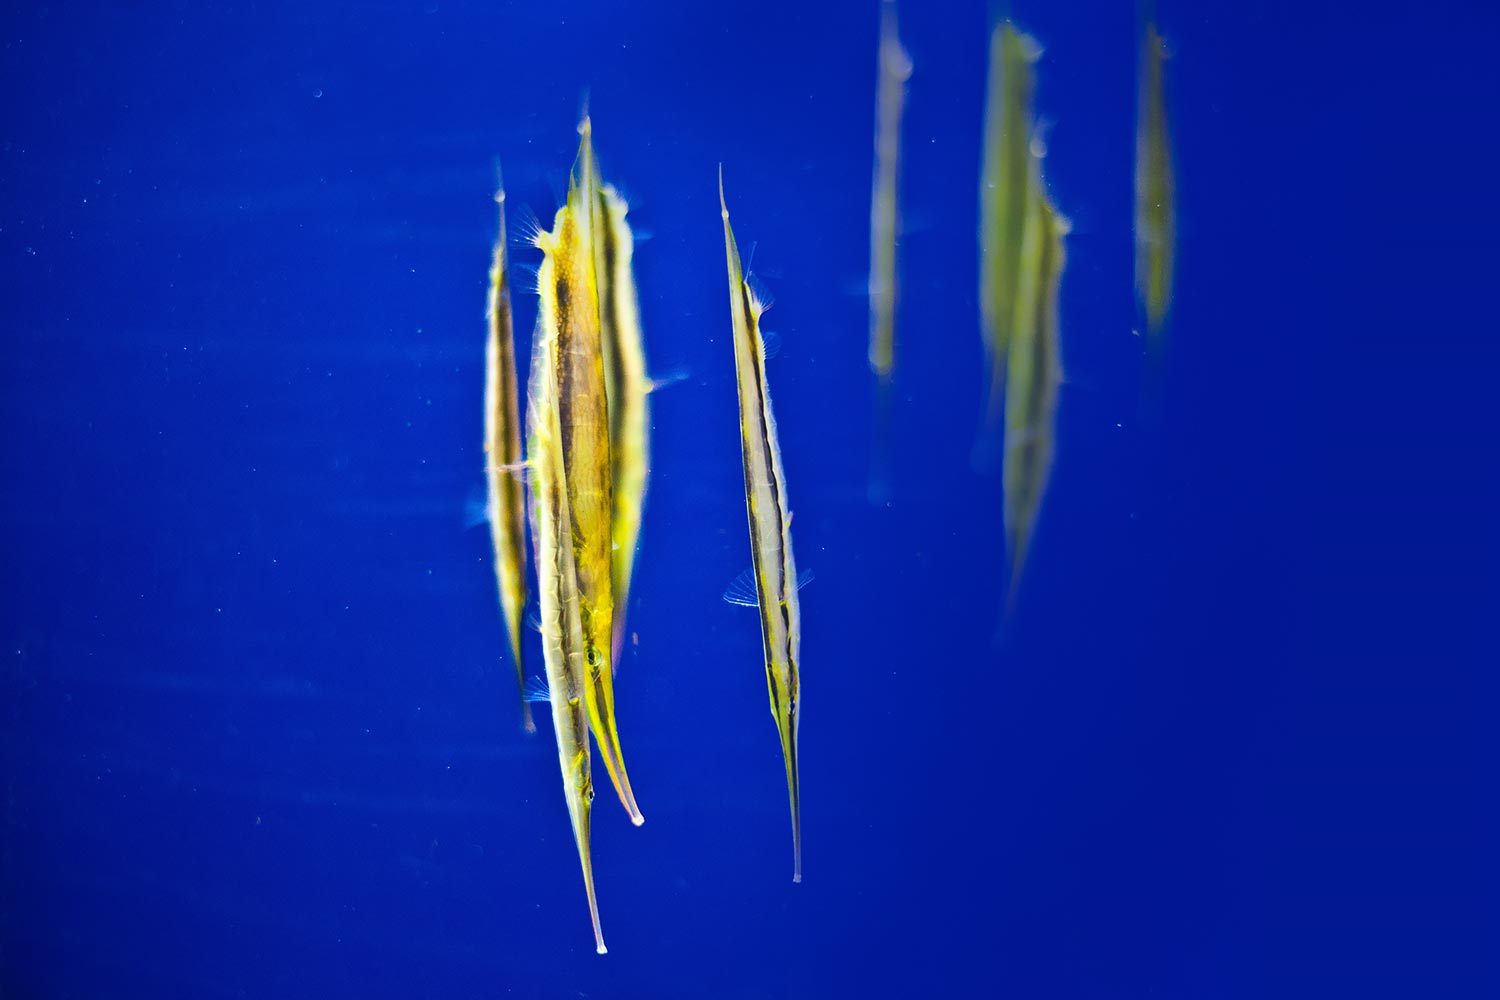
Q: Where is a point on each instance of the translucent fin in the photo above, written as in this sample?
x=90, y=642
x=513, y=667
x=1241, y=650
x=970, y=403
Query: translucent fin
x=476, y=508
x=760, y=296
x=770, y=344
x=533, y=621
x=669, y=379
x=526, y=227
x=537, y=690
x=742, y=591
x=557, y=184
x=523, y=277
x=858, y=288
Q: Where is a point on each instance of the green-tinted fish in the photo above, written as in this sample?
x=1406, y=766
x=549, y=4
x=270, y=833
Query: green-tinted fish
x=1005, y=179
x=563, y=645
x=890, y=95
x=568, y=313
x=1034, y=372
x=625, y=387
x=892, y=71
x=502, y=459
x=770, y=534
x=1155, y=209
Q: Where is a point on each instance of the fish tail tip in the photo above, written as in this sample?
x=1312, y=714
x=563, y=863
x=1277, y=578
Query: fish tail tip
x=585, y=124
x=626, y=793
x=599, y=949
x=797, y=878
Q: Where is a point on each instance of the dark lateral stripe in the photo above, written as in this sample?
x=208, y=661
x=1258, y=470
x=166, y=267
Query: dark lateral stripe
x=564, y=335
x=609, y=326
x=763, y=440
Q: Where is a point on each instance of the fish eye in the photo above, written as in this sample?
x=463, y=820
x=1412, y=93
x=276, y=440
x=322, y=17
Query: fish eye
x=593, y=656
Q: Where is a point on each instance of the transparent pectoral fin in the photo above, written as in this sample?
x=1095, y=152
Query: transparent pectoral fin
x=742, y=591
x=537, y=690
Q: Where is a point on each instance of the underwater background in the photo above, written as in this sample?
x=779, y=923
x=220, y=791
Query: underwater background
x=258, y=725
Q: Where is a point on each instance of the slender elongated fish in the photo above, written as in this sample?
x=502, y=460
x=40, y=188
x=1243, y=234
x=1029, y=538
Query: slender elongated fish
x=568, y=314
x=770, y=526
x=563, y=646
x=502, y=459
x=1034, y=374
x=890, y=96
x=626, y=388
x=893, y=69
x=1155, y=208
x=1005, y=179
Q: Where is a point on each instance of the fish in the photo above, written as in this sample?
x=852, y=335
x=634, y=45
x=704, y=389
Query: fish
x=1034, y=372
x=774, y=568
x=560, y=604
x=1155, y=188
x=568, y=317
x=506, y=507
x=626, y=390
x=895, y=69
x=1005, y=179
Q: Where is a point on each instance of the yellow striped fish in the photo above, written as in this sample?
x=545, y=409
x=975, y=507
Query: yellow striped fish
x=1034, y=372
x=1003, y=196
x=626, y=388
x=502, y=459
x=1155, y=185
x=563, y=648
x=770, y=535
x=890, y=95
x=568, y=315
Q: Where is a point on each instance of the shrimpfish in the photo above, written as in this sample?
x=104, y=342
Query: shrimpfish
x=1155, y=209
x=502, y=458
x=626, y=389
x=770, y=535
x=563, y=646
x=890, y=96
x=892, y=71
x=1005, y=180
x=1034, y=372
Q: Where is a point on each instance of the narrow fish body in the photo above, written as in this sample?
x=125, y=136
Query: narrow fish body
x=890, y=96
x=502, y=459
x=568, y=315
x=1004, y=193
x=1155, y=187
x=1034, y=375
x=626, y=389
x=770, y=536
x=560, y=609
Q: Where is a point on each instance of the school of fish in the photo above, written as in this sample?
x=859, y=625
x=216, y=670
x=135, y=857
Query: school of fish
x=587, y=424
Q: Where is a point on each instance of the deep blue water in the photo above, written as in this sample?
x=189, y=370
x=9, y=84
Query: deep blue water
x=259, y=737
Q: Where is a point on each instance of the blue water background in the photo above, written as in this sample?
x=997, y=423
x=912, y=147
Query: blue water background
x=259, y=736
